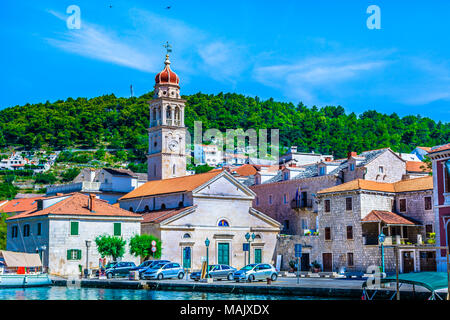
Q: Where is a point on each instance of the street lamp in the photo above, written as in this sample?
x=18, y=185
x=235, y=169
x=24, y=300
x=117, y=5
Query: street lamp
x=247, y=237
x=381, y=239
x=207, y=242
x=88, y=244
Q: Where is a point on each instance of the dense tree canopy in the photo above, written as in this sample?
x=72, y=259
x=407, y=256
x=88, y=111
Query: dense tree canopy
x=122, y=122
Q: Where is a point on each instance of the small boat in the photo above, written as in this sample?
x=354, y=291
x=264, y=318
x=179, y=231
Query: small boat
x=19, y=269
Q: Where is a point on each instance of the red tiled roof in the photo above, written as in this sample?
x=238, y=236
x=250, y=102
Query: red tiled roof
x=386, y=217
x=161, y=215
x=77, y=204
x=417, y=166
x=245, y=170
x=20, y=205
x=164, y=186
x=427, y=149
x=441, y=148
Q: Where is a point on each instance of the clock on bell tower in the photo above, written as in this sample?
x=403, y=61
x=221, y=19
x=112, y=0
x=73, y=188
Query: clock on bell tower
x=167, y=134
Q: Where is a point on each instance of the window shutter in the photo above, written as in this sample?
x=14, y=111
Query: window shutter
x=117, y=229
x=74, y=228
x=78, y=254
x=69, y=254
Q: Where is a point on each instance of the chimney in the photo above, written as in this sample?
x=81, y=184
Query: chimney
x=92, y=202
x=351, y=154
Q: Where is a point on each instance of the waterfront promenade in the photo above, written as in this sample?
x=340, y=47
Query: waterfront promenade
x=314, y=287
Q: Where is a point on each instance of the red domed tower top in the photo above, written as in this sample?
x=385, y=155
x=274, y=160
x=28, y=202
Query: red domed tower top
x=167, y=76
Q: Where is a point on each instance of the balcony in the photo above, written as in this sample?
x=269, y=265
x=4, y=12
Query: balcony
x=302, y=204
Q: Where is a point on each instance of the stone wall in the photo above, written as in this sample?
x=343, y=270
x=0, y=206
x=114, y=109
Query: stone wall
x=286, y=248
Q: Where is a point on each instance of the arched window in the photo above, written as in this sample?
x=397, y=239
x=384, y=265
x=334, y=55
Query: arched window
x=146, y=209
x=168, y=113
x=223, y=223
x=257, y=236
x=163, y=206
x=173, y=169
x=186, y=236
x=180, y=204
x=131, y=209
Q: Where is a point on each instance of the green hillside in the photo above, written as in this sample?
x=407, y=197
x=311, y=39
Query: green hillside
x=119, y=123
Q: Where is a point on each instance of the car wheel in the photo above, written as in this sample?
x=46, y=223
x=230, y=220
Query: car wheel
x=181, y=275
x=230, y=277
x=274, y=277
x=109, y=275
x=251, y=278
x=160, y=276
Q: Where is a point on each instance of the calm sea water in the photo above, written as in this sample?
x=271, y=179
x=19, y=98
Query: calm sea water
x=65, y=293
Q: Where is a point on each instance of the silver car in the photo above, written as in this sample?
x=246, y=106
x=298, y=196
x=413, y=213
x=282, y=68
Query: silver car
x=164, y=271
x=256, y=271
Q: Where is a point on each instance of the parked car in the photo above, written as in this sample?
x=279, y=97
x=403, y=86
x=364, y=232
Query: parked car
x=147, y=264
x=108, y=266
x=164, y=271
x=216, y=271
x=256, y=271
x=120, y=269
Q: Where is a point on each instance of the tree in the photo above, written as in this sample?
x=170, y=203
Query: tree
x=3, y=217
x=70, y=174
x=141, y=246
x=110, y=246
x=203, y=168
x=45, y=178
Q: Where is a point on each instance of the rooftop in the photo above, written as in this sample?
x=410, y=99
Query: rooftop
x=387, y=217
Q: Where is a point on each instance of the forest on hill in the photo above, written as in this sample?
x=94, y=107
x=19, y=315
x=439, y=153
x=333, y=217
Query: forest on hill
x=112, y=122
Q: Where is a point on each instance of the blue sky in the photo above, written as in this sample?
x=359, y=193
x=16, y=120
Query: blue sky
x=317, y=52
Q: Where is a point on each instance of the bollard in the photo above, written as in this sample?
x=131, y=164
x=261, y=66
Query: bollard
x=269, y=281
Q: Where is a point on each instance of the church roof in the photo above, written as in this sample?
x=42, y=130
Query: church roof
x=159, y=216
x=172, y=185
x=167, y=76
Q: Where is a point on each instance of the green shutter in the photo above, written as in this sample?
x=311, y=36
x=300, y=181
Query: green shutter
x=78, y=254
x=74, y=228
x=69, y=254
x=258, y=254
x=117, y=229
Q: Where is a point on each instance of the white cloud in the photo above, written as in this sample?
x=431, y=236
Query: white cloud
x=304, y=78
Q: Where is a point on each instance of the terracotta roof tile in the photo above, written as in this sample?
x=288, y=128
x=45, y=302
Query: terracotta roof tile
x=77, y=204
x=427, y=149
x=387, y=217
x=245, y=170
x=424, y=183
x=20, y=205
x=417, y=166
x=180, y=184
x=161, y=215
x=440, y=148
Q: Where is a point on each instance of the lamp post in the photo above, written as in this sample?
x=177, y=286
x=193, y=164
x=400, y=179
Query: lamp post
x=88, y=244
x=247, y=237
x=207, y=242
x=381, y=238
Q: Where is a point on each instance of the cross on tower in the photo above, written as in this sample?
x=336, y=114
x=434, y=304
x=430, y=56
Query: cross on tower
x=168, y=47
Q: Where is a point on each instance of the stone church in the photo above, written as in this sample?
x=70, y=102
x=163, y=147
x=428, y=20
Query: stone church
x=185, y=210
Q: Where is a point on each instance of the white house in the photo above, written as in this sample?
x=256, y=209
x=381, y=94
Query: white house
x=209, y=154
x=60, y=226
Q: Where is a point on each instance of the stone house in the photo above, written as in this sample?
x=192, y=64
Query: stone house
x=353, y=214
x=59, y=227
x=183, y=212
x=440, y=157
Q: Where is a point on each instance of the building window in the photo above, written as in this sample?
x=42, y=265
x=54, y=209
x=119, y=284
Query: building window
x=257, y=201
x=146, y=209
x=327, y=233
x=286, y=176
x=428, y=230
x=270, y=199
x=223, y=223
x=447, y=176
x=322, y=171
x=74, y=228
x=304, y=224
x=186, y=236
x=14, y=232
x=428, y=203
x=39, y=229
x=163, y=206
x=349, y=233
x=327, y=205
x=131, y=209
x=402, y=205
x=73, y=254
x=348, y=204
x=285, y=198
x=380, y=169
x=26, y=230
x=286, y=225
x=117, y=229
x=352, y=167
x=350, y=259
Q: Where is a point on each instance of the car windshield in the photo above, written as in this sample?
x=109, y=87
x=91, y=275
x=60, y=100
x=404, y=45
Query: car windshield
x=248, y=267
x=211, y=268
x=145, y=263
x=158, y=266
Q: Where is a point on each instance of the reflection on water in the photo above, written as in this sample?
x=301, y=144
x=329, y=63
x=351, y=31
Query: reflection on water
x=76, y=293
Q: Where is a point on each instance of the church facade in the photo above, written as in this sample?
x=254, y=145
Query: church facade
x=185, y=210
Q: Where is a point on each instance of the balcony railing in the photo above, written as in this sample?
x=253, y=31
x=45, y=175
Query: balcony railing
x=300, y=204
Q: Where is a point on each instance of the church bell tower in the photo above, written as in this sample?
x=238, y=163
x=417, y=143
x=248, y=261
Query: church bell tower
x=167, y=134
